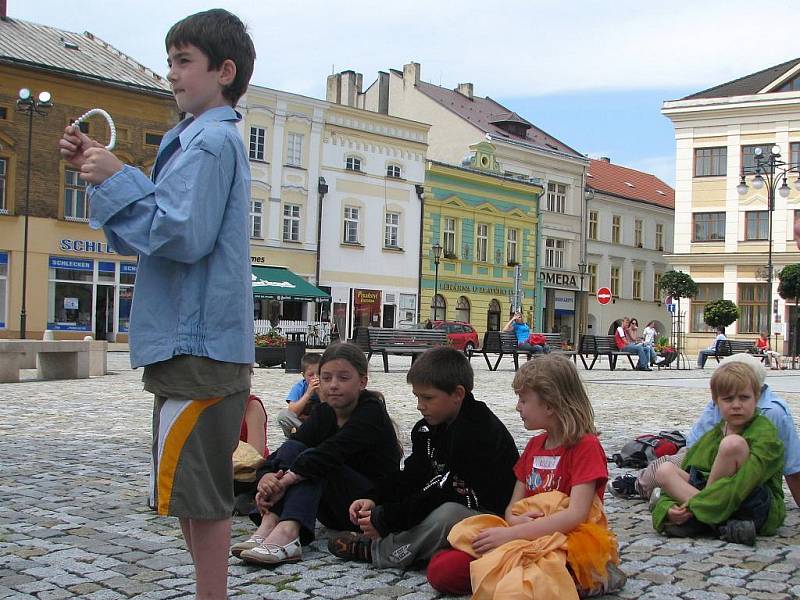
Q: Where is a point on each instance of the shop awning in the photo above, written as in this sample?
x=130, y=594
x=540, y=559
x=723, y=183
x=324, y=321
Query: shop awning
x=281, y=284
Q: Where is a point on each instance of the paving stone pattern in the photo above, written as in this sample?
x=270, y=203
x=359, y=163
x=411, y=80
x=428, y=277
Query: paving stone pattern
x=74, y=523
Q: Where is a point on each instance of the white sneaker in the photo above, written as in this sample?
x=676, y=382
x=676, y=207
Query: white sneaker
x=252, y=542
x=660, y=359
x=654, y=497
x=272, y=554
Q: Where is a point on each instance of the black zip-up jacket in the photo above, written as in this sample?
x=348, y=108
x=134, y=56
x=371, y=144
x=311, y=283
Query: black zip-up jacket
x=469, y=461
x=367, y=443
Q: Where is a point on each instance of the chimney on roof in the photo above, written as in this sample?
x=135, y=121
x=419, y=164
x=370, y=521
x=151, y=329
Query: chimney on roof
x=465, y=89
x=605, y=159
x=411, y=73
x=344, y=88
x=3, y=9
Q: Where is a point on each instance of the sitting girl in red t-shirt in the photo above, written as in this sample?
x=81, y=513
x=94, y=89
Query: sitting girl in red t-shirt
x=567, y=458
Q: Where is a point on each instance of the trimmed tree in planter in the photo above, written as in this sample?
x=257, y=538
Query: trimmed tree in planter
x=720, y=313
x=678, y=284
x=788, y=289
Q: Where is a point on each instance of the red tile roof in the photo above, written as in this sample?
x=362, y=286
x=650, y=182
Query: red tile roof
x=483, y=113
x=629, y=183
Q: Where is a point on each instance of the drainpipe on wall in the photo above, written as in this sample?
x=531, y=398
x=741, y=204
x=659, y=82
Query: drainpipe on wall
x=322, y=189
x=538, y=290
x=420, y=189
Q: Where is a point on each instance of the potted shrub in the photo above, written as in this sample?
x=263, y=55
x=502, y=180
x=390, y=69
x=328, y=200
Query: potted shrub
x=664, y=348
x=270, y=348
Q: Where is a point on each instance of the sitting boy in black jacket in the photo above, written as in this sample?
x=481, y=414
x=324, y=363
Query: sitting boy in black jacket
x=461, y=464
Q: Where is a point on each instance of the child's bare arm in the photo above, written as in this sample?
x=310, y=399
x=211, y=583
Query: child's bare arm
x=299, y=406
x=517, y=495
x=793, y=483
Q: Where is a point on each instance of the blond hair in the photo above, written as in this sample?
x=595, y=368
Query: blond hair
x=731, y=378
x=559, y=387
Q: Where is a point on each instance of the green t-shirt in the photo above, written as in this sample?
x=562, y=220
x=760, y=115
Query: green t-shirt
x=718, y=501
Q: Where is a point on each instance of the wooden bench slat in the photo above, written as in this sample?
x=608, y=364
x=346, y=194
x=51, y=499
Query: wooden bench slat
x=398, y=341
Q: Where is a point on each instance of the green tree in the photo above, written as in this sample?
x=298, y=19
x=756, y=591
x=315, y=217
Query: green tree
x=788, y=289
x=678, y=285
x=720, y=313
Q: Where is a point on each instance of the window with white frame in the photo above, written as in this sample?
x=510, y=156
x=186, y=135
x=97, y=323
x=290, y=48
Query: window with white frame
x=482, y=242
x=615, y=281
x=350, y=225
x=352, y=163
x=637, y=284
x=449, y=237
x=3, y=174
x=394, y=171
x=391, y=231
x=75, y=208
x=556, y=197
x=3, y=288
x=257, y=137
x=554, y=253
x=592, y=272
x=294, y=149
x=291, y=222
x=512, y=235
x=638, y=233
x=616, y=229
x=660, y=237
x=593, y=221
x=256, y=218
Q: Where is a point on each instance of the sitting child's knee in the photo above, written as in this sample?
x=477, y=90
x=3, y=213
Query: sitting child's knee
x=664, y=471
x=734, y=445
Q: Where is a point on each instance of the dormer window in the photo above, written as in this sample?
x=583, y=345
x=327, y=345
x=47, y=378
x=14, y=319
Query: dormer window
x=352, y=163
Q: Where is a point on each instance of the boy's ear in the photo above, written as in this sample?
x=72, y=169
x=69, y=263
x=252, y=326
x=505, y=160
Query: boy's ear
x=460, y=392
x=227, y=72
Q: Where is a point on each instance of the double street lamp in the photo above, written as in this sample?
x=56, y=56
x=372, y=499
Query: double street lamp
x=769, y=171
x=437, y=256
x=31, y=106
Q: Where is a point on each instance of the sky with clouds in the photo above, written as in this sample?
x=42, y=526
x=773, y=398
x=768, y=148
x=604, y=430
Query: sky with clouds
x=592, y=73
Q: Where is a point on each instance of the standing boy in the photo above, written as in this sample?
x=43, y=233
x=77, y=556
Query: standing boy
x=461, y=464
x=192, y=314
x=302, y=396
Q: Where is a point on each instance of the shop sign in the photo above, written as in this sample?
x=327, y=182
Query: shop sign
x=127, y=268
x=258, y=260
x=71, y=303
x=472, y=288
x=565, y=301
x=367, y=297
x=85, y=246
x=106, y=267
x=3, y=258
x=74, y=264
x=561, y=279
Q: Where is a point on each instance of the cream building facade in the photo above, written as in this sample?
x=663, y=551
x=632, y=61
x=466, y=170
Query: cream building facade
x=459, y=119
x=722, y=239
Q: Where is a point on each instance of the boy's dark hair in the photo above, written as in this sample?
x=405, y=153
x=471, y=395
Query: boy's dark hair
x=443, y=368
x=220, y=35
x=310, y=358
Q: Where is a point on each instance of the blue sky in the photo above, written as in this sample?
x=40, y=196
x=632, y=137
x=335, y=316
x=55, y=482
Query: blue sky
x=593, y=73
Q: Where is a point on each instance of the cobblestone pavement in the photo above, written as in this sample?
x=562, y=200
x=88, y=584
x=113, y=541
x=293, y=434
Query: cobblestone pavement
x=73, y=475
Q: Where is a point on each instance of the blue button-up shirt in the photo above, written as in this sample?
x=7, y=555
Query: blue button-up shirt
x=189, y=227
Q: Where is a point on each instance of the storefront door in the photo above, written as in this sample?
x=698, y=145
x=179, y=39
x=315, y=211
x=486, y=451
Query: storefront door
x=104, y=312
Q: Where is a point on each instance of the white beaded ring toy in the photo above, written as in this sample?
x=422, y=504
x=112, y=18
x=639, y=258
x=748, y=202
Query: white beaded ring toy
x=99, y=111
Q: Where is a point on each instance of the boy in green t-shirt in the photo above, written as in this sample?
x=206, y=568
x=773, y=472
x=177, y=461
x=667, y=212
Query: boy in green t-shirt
x=730, y=481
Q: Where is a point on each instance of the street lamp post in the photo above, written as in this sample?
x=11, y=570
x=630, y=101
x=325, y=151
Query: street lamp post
x=582, y=267
x=769, y=171
x=437, y=255
x=31, y=106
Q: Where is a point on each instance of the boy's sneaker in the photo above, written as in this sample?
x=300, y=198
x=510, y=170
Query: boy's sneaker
x=351, y=546
x=624, y=486
x=654, y=498
x=691, y=529
x=738, y=532
x=660, y=359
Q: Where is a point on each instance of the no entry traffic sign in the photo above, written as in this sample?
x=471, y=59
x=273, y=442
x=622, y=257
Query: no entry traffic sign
x=604, y=295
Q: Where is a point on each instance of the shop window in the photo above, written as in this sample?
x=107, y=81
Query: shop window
x=408, y=308
x=438, y=308
x=462, y=309
x=493, y=316
x=75, y=208
x=70, y=294
x=3, y=288
x=706, y=292
x=127, y=278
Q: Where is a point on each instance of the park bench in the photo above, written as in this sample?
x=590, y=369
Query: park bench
x=730, y=347
x=401, y=341
x=595, y=346
x=61, y=359
x=504, y=344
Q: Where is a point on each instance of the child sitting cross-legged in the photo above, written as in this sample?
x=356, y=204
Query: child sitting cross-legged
x=729, y=484
x=554, y=541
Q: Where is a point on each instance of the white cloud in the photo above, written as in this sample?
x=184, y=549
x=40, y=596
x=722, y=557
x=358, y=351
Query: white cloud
x=518, y=49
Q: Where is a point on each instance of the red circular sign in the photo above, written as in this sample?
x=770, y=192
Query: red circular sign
x=604, y=295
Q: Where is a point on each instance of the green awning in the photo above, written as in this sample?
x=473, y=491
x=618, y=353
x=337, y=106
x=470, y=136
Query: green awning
x=281, y=284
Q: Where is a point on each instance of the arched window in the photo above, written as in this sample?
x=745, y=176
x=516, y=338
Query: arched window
x=462, y=309
x=438, y=308
x=493, y=316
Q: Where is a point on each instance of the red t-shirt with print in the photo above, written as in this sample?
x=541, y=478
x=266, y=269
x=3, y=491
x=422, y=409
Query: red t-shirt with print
x=546, y=469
